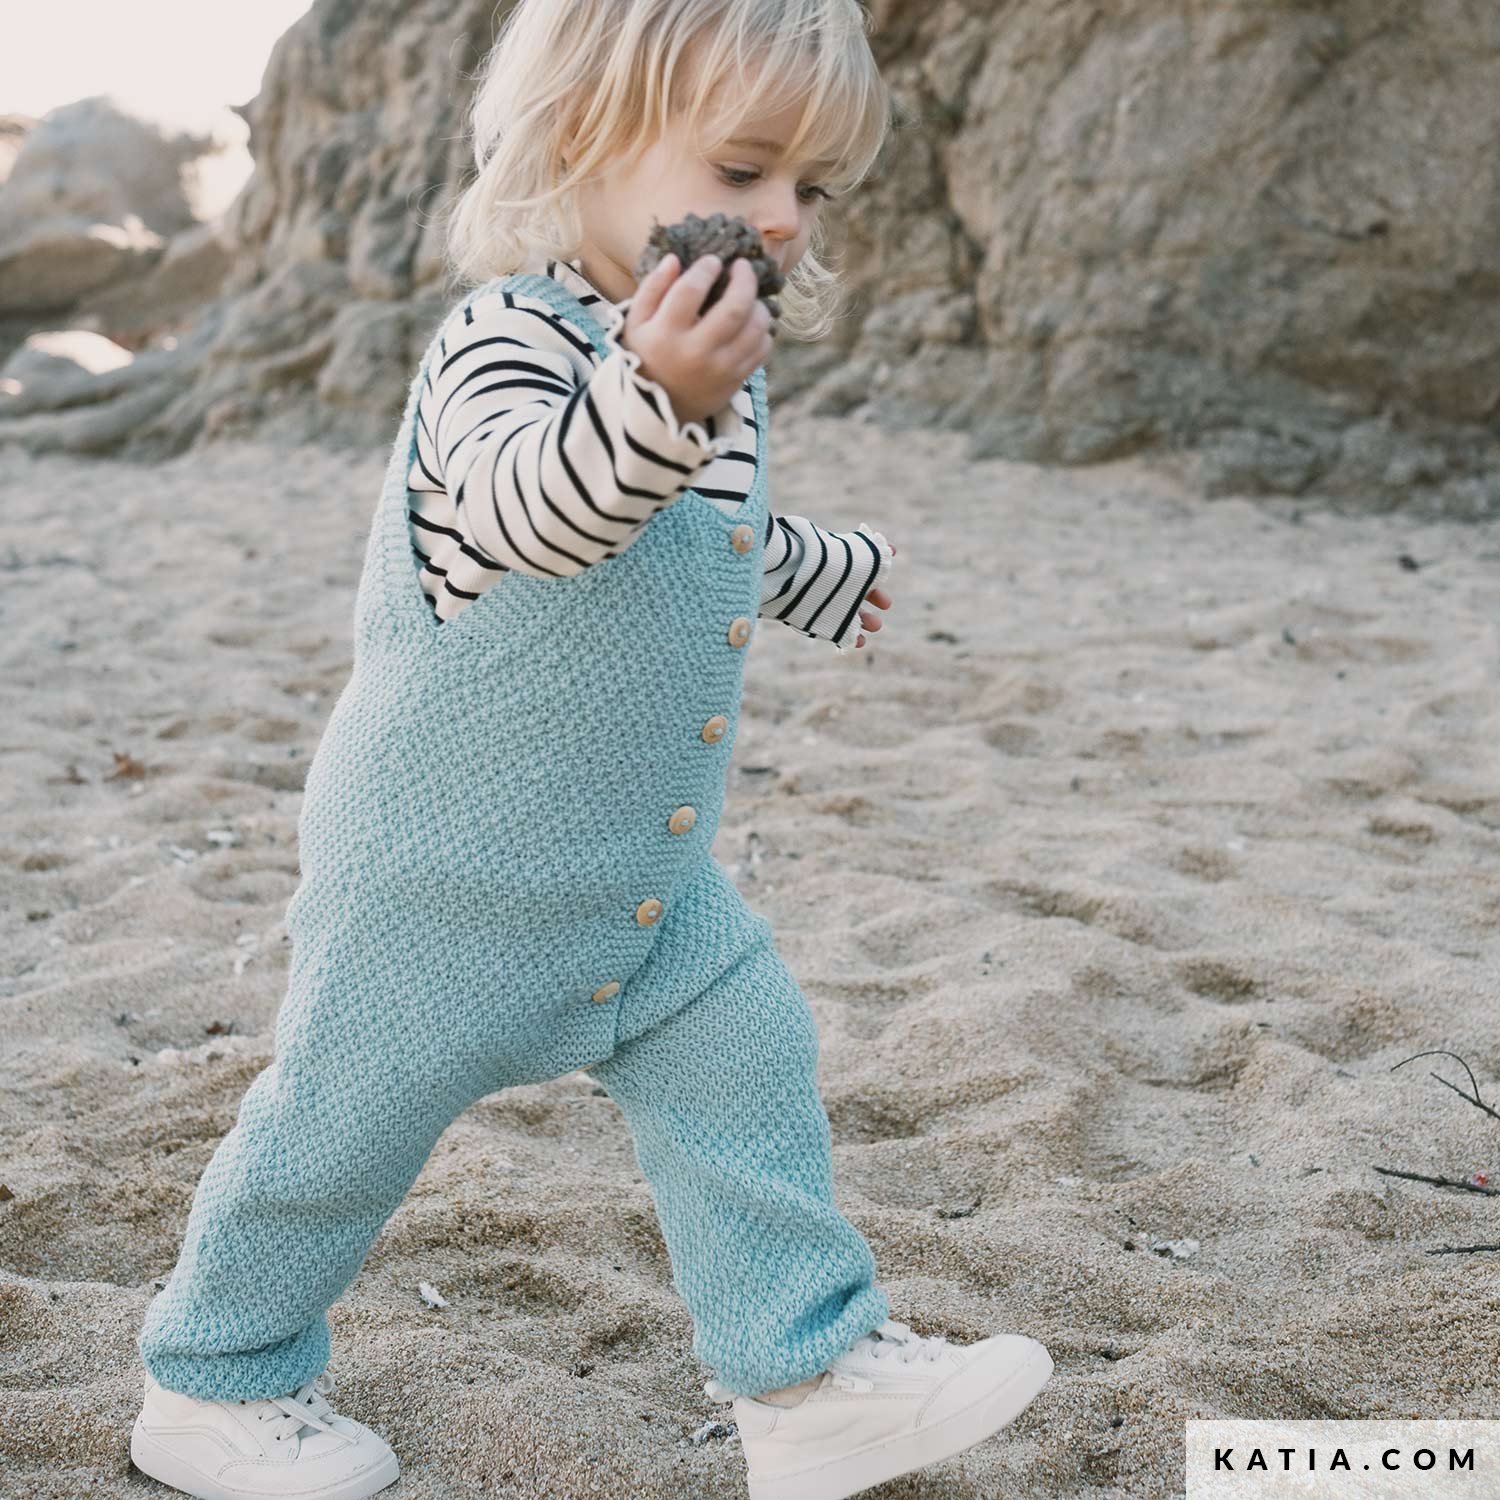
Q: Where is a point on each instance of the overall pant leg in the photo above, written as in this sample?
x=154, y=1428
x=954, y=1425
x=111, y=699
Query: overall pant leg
x=731, y=1134
x=329, y=1137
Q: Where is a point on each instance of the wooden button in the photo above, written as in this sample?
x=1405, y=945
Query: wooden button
x=742, y=538
x=713, y=730
x=739, y=630
x=648, y=912
x=606, y=992
x=683, y=819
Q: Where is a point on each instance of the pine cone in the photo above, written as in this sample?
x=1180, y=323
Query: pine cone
x=718, y=234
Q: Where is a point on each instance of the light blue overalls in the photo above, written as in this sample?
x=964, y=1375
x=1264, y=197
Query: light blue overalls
x=504, y=849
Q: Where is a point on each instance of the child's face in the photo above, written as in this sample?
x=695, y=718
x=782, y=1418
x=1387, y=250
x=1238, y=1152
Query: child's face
x=675, y=177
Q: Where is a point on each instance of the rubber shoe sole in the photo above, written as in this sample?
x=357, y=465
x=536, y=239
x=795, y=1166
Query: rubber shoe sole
x=159, y=1463
x=903, y=1452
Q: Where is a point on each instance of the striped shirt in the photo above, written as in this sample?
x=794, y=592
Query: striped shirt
x=536, y=455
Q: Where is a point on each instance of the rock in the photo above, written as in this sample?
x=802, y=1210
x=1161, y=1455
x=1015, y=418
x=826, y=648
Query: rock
x=706, y=1432
x=92, y=196
x=13, y=132
x=48, y=264
x=168, y=294
x=730, y=239
x=1174, y=1249
x=52, y=369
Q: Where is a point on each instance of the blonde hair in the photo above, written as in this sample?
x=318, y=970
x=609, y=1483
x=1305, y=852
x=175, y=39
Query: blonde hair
x=602, y=80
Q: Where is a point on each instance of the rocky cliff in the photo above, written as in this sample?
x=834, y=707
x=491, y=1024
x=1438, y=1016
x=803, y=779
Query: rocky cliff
x=1264, y=235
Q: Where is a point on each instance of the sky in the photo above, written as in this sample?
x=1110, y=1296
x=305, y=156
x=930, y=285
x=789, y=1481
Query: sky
x=173, y=58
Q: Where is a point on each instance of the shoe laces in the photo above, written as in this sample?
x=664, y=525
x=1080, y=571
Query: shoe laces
x=306, y=1407
x=895, y=1340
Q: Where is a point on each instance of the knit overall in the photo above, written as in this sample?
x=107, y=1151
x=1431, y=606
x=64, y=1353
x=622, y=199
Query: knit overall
x=505, y=875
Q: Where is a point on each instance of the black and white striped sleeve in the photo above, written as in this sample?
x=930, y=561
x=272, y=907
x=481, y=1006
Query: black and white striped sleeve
x=816, y=580
x=554, y=458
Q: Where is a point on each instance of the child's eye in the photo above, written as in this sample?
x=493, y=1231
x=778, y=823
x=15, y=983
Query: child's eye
x=739, y=177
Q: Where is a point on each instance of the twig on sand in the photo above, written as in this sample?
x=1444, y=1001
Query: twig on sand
x=1478, y=1182
x=1473, y=1098
x=1453, y=1182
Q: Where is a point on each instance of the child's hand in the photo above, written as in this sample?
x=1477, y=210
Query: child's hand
x=881, y=599
x=699, y=361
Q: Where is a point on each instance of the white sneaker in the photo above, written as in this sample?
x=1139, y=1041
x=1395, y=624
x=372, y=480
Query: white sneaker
x=260, y=1450
x=893, y=1403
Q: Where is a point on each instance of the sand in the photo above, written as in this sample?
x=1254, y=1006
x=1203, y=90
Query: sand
x=1148, y=836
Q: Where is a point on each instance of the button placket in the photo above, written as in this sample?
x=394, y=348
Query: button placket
x=742, y=538
x=684, y=818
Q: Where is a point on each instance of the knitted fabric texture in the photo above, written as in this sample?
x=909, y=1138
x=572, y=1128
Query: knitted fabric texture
x=498, y=787
x=506, y=875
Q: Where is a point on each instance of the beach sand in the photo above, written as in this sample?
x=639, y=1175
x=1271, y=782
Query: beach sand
x=1145, y=839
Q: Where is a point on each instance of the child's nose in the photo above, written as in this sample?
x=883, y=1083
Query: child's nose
x=779, y=223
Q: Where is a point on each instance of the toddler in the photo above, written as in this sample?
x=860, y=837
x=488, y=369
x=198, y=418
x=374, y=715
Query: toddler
x=506, y=832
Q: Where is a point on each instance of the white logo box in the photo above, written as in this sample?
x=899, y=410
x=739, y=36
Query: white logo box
x=1382, y=1458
